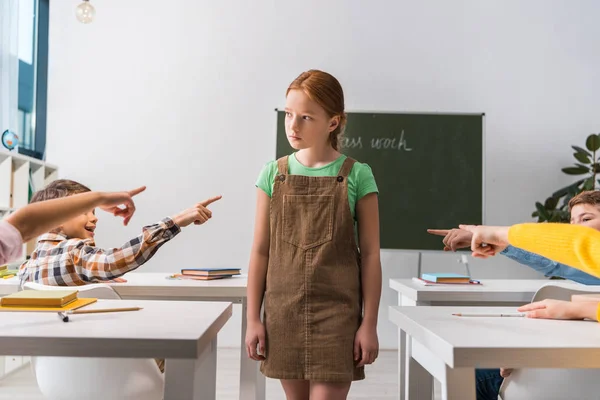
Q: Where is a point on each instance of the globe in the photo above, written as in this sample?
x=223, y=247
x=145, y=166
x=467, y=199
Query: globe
x=10, y=140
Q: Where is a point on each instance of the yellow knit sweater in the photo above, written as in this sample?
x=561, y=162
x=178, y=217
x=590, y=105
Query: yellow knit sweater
x=574, y=245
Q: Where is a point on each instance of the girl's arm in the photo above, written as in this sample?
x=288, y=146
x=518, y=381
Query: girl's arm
x=37, y=218
x=366, y=345
x=367, y=211
x=257, y=272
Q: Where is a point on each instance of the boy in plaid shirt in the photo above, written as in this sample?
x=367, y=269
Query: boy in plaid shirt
x=68, y=256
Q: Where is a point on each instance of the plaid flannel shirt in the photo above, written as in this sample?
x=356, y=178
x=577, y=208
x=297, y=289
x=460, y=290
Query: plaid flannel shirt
x=60, y=261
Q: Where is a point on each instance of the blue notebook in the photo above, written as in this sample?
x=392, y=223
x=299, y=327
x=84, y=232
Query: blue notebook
x=445, y=278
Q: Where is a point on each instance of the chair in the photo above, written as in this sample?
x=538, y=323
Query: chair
x=75, y=378
x=553, y=383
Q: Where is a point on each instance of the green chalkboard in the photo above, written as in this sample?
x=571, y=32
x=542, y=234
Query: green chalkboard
x=429, y=169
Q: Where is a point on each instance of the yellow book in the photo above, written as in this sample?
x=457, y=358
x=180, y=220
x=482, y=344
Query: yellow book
x=40, y=298
x=74, y=305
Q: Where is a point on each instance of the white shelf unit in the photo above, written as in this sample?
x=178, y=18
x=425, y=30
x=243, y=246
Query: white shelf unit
x=17, y=173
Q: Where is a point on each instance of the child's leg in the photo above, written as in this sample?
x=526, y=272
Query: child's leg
x=487, y=383
x=296, y=389
x=329, y=390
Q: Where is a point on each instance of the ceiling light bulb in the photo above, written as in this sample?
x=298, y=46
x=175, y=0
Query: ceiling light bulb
x=85, y=12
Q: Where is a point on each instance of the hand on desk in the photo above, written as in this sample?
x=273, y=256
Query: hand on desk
x=558, y=309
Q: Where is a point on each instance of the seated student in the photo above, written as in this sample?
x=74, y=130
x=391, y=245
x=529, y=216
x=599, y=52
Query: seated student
x=585, y=210
x=68, y=255
x=572, y=245
x=577, y=246
x=35, y=219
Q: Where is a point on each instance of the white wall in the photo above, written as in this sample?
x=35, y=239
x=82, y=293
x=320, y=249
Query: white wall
x=179, y=96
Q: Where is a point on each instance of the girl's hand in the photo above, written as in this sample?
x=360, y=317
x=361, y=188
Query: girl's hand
x=366, y=345
x=120, y=204
x=255, y=337
x=558, y=309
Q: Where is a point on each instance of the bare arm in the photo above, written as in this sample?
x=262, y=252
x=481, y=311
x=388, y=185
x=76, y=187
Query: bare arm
x=367, y=211
x=37, y=218
x=366, y=343
x=259, y=257
x=257, y=273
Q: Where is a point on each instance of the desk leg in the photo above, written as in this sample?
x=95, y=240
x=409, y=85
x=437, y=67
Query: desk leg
x=401, y=363
x=459, y=384
x=404, y=363
x=252, y=382
x=193, y=379
x=419, y=382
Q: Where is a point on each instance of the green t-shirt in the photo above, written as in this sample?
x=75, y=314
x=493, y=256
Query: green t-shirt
x=361, y=181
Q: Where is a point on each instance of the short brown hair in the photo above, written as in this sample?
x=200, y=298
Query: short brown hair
x=59, y=188
x=325, y=90
x=591, y=197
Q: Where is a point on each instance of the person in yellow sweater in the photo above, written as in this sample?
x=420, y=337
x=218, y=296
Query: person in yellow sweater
x=574, y=245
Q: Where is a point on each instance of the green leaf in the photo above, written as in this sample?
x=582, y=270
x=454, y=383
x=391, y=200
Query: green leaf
x=542, y=211
x=592, y=142
x=580, y=150
x=580, y=170
x=588, y=184
x=550, y=203
x=582, y=157
x=555, y=218
x=561, y=192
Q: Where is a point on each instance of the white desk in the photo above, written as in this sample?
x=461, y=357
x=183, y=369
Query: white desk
x=156, y=286
x=449, y=348
x=163, y=329
x=492, y=292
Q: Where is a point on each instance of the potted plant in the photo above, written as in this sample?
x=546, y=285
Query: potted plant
x=556, y=207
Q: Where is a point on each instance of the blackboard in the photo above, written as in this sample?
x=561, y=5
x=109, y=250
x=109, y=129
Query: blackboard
x=428, y=167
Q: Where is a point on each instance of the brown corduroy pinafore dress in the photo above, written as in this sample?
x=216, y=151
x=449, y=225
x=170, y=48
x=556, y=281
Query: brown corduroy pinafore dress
x=312, y=303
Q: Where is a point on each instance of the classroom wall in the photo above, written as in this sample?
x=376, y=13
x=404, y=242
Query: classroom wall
x=179, y=95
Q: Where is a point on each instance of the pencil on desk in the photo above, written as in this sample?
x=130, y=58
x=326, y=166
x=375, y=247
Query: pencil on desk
x=489, y=315
x=104, y=310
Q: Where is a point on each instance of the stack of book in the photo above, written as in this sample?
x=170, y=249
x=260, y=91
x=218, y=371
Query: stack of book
x=207, y=274
x=433, y=279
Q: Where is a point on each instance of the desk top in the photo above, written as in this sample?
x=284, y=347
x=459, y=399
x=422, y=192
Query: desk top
x=491, y=290
x=162, y=329
x=494, y=342
x=156, y=286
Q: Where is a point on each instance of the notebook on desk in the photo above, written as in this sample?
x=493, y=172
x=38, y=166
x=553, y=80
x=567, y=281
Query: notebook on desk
x=445, y=277
x=74, y=305
x=40, y=298
x=210, y=271
x=198, y=277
